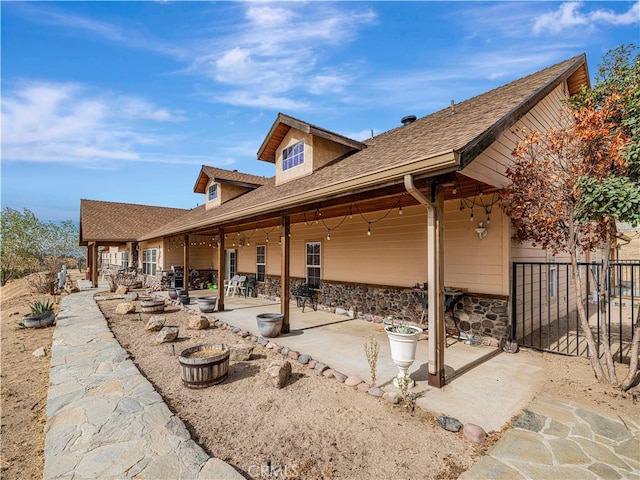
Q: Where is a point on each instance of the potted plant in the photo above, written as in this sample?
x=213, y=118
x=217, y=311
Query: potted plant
x=42, y=314
x=403, y=340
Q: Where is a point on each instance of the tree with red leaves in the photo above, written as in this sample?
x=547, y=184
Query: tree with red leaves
x=570, y=184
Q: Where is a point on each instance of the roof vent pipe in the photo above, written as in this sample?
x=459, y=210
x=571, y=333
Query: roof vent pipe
x=453, y=108
x=409, y=119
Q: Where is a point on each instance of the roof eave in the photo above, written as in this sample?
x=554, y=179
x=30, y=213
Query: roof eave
x=474, y=148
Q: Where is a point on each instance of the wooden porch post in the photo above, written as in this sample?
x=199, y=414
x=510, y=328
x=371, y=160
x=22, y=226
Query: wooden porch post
x=435, y=279
x=94, y=269
x=185, y=263
x=221, y=268
x=284, y=273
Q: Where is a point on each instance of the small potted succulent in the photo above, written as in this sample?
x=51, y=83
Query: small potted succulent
x=403, y=340
x=42, y=314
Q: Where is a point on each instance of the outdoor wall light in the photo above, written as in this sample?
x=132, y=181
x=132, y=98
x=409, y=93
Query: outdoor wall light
x=481, y=231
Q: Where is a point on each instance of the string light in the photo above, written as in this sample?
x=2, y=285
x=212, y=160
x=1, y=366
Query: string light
x=400, y=210
x=471, y=217
x=369, y=229
x=328, y=234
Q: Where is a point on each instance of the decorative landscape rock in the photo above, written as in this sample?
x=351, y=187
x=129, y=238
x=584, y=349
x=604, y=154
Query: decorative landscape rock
x=155, y=323
x=124, y=308
x=40, y=352
x=363, y=387
x=240, y=352
x=198, y=322
x=278, y=372
x=352, y=381
x=474, y=433
x=320, y=368
x=122, y=289
x=392, y=397
x=304, y=359
x=449, y=423
x=293, y=355
x=375, y=392
x=131, y=297
x=166, y=335
x=341, y=377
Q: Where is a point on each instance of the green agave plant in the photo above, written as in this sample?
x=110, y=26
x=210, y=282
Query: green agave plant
x=404, y=329
x=41, y=306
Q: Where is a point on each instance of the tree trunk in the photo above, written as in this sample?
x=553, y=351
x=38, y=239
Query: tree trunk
x=633, y=362
x=602, y=295
x=584, y=322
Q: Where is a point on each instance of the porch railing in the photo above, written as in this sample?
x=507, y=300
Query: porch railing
x=544, y=304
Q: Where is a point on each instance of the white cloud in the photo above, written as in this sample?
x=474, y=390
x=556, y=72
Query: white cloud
x=64, y=123
x=569, y=16
x=277, y=54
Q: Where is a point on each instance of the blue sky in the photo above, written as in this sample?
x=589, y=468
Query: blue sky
x=124, y=101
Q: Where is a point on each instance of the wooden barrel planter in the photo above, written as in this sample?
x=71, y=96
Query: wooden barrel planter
x=150, y=306
x=204, y=365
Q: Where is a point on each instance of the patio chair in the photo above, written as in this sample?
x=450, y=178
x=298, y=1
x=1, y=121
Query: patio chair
x=234, y=286
x=227, y=282
x=250, y=285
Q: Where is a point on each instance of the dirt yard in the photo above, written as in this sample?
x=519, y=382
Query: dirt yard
x=312, y=428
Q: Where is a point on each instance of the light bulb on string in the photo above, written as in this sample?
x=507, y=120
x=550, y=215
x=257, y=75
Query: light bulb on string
x=400, y=210
x=369, y=230
x=328, y=234
x=471, y=217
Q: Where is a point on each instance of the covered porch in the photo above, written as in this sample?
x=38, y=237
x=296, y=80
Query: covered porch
x=475, y=375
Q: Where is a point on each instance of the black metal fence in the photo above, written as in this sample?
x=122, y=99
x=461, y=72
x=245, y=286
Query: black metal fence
x=544, y=306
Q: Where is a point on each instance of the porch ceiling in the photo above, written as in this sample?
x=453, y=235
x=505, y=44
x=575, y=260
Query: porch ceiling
x=381, y=199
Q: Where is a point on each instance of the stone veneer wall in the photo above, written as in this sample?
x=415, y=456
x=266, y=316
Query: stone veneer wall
x=477, y=314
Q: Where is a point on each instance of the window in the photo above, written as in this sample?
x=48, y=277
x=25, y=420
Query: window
x=124, y=257
x=293, y=156
x=149, y=261
x=553, y=281
x=261, y=262
x=213, y=191
x=313, y=264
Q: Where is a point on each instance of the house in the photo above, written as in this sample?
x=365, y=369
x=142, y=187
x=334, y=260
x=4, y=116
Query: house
x=367, y=222
x=110, y=231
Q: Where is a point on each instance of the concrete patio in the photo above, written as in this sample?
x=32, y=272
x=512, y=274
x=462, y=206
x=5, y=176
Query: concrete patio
x=484, y=386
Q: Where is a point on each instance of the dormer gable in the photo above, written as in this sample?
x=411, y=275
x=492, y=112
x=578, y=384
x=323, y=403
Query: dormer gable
x=298, y=148
x=220, y=185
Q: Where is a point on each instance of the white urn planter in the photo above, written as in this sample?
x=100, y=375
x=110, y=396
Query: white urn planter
x=403, y=340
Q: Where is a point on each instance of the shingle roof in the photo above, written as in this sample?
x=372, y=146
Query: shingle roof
x=121, y=222
x=475, y=125
x=226, y=176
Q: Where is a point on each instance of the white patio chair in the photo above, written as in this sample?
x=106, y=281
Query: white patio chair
x=238, y=285
x=229, y=284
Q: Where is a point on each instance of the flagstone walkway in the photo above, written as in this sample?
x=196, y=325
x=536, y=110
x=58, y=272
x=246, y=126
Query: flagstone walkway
x=104, y=419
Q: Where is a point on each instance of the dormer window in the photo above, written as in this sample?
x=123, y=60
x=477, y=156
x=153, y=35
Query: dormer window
x=213, y=191
x=293, y=156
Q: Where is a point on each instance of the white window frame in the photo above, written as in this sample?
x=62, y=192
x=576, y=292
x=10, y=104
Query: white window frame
x=261, y=266
x=124, y=259
x=213, y=191
x=293, y=156
x=230, y=263
x=149, y=261
x=314, y=265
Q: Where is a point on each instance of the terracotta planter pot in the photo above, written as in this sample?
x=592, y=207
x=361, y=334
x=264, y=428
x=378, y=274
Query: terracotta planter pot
x=207, y=304
x=269, y=324
x=39, y=320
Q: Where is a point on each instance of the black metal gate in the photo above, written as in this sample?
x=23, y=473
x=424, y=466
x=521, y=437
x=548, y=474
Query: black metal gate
x=544, y=306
